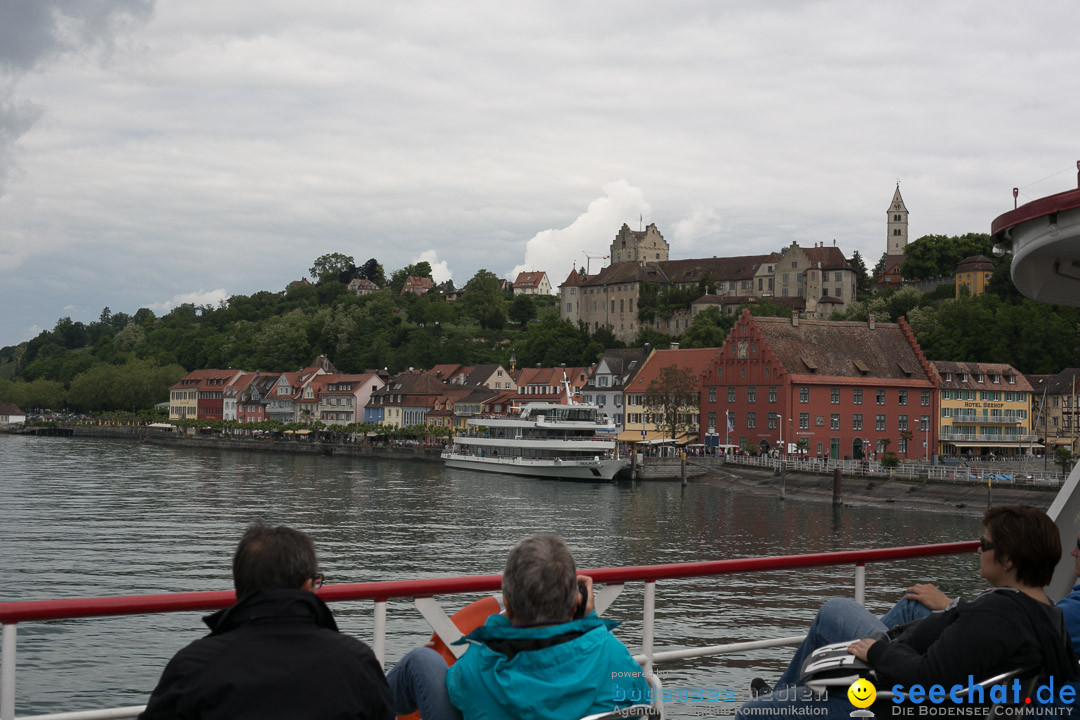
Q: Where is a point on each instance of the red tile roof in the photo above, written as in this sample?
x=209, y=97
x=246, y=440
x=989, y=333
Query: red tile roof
x=529, y=279
x=696, y=361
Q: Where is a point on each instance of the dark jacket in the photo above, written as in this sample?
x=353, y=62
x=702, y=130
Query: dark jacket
x=999, y=631
x=275, y=654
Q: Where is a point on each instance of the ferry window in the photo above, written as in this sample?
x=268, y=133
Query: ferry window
x=804, y=395
x=856, y=421
x=804, y=421
x=903, y=397
x=856, y=396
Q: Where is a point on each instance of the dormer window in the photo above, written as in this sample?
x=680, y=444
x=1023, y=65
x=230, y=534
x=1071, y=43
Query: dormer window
x=980, y=378
x=948, y=377
x=996, y=379
x=1012, y=379
x=963, y=377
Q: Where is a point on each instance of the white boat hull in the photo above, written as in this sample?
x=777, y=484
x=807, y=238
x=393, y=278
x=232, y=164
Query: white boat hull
x=589, y=470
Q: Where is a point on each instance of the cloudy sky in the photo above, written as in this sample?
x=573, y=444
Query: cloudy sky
x=156, y=151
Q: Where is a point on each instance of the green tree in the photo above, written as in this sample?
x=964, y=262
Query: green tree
x=671, y=399
x=864, y=283
x=132, y=336
x=522, y=310
x=484, y=300
x=934, y=256
x=373, y=271
x=332, y=266
x=709, y=328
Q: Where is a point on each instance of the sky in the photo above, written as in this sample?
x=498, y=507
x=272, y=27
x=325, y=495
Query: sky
x=156, y=152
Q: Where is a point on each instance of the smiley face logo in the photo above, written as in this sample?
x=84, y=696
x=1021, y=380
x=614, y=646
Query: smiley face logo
x=862, y=693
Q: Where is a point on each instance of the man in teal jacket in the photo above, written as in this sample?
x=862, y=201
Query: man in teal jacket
x=536, y=662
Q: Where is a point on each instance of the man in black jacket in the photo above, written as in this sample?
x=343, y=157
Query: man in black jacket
x=277, y=652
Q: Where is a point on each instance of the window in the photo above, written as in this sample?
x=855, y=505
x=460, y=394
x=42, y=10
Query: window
x=731, y=394
x=879, y=422
x=856, y=396
x=804, y=395
x=925, y=399
x=772, y=393
x=772, y=421
x=712, y=394
x=712, y=422
x=834, y=421
x=804, y=421
x=880, y=397
x=751, y=420
x=834, y=396
x=924, y=423
x=719, y=372
x=901, y=445
x=901, y=422
x=856, y=421
x=751, y=394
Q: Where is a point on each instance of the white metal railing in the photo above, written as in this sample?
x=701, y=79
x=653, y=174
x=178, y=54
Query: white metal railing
x=422, y=591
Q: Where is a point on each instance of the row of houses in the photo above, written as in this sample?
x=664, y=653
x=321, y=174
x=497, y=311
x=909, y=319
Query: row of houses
x=830, y=389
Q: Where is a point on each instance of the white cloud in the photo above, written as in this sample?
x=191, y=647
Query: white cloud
x=199, y=297
x=440, y=272
x=703, y=226
x=557, y=251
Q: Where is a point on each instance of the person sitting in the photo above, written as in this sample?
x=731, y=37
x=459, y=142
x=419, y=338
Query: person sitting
x=277, y=652
x=536, y=661
x=1013, y=625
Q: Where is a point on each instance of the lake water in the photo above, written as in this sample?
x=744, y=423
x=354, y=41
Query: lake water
x=85, y=517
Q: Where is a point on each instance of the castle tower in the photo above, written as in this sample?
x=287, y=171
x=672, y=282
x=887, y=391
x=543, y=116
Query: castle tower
x=897, y=225
x=647, y=245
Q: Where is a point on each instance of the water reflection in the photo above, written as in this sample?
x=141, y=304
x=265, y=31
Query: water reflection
x=87, y=518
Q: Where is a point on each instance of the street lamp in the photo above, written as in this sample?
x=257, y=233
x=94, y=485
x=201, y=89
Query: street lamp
x=780, y=422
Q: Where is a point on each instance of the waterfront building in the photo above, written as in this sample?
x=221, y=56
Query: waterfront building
x=838, y=389
x=10, y=414
x=985, y=409
x=406, y=399
x=606, y=387
x=532, y=283
x=1056, y=401
x=231, y=393
x=493, y=375
x=974, y=273
x=640, y=424
x=199, y=394
x=251, y=401
x=541, y=384
x=342, y=397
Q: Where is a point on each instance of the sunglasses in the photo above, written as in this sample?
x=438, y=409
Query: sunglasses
x=985, y=544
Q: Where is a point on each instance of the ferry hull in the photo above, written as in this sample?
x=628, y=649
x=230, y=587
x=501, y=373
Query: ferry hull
x=589, y=471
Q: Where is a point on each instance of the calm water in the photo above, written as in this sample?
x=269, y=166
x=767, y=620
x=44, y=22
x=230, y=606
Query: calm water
x=85, y=518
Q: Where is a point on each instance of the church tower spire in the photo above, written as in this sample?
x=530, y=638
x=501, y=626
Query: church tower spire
x=897, y=225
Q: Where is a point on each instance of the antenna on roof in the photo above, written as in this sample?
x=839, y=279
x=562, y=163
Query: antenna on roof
x=640, y=222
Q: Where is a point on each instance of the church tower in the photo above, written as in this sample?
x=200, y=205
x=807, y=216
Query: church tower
x=646, y=245
x=897, y=225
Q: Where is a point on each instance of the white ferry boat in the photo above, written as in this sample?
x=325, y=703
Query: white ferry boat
x=546, y=440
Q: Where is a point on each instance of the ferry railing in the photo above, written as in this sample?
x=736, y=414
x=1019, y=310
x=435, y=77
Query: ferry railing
x=423, y=592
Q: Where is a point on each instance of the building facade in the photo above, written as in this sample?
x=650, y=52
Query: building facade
x=985, y=409
x=973, y=275
x=830, y=389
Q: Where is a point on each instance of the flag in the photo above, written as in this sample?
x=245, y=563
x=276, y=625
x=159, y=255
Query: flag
x=730, y=427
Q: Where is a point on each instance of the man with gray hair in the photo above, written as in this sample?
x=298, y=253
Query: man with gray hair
x=548, y=656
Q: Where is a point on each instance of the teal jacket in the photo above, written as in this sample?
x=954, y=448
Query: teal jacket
x=556, y=672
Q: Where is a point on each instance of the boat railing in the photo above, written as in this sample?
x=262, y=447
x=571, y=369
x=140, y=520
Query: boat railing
x=423, y=592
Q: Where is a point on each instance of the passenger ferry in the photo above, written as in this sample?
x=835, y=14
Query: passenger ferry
x=547, y=440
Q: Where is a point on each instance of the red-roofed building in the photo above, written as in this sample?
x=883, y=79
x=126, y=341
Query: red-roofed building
x=546, y=384
x=199, y=394
x=417, y=285
x=532, y=283
x=840, y=386
x=342, y=397
x=639, y=424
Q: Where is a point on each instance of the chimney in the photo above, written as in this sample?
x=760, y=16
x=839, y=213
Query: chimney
x=794, y=318
x=870, y=321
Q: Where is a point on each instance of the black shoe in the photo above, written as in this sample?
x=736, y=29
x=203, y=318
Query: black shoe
x=759, y=687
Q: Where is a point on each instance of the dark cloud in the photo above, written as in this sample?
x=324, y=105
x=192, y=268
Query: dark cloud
x=33, y=32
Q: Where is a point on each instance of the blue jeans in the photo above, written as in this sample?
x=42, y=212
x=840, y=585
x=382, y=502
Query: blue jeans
x=838, y=620
x=418, y=682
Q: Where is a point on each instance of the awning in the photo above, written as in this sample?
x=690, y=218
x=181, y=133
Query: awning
x=991, y=444
x=652, y=437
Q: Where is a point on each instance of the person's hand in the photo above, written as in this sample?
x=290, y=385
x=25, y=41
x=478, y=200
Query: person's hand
x=928, y=595
x=589, y=600
x=860, y=648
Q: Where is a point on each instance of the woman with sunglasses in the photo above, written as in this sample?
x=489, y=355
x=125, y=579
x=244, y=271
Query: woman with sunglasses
x=1013, y=625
